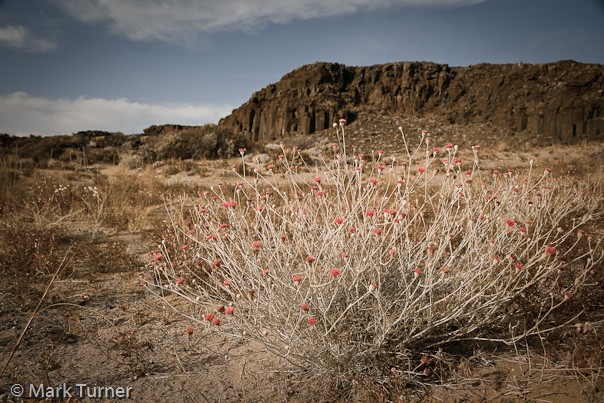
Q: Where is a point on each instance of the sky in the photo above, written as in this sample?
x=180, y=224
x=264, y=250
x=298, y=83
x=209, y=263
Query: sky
x=115, y=65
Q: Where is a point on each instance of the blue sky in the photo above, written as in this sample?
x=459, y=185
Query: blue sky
x=71, y=65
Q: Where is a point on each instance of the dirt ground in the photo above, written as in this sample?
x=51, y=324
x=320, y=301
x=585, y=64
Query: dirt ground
x=106, y=329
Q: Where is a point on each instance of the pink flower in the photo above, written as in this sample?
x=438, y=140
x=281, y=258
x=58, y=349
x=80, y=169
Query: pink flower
x=392, y=251
x=319, y=193
x=256, y=244
x=180, y=280
x=421, y=170
x=189, y=330
x=338, y=221
x=377, y=231
x=271, y=166
x=372, y=287
x=242, y=151
x=227, y=283
x=229, y=310
x=523, y=230
x=370, y=213
x=209, y=317
x=216, y=322
x=265, y=272
x=297, y=278
x=510, y=222
x=312, y=321
x=309, y=259
x=216, y=262
x=567, y=295
x=317, y=179
x=304, y=307
x=352, y=230
x=335, y=272
x=518, y=266
x=449, y=146
x=550, y=251
x=417, y=271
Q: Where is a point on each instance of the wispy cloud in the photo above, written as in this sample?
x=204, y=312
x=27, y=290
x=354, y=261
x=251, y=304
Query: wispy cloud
x=21, y=38
x=186, y=20
x=22, y=114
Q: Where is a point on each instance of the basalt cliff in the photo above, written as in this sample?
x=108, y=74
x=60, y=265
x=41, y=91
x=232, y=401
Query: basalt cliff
x=563, y=101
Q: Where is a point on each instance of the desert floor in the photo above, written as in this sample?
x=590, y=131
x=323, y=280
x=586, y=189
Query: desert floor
x=98, y=325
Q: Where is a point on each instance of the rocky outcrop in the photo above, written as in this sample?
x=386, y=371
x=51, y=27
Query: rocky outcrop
x=165, y=129
x=562, y=100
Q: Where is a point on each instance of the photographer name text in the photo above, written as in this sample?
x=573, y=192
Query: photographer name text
x=63, y=391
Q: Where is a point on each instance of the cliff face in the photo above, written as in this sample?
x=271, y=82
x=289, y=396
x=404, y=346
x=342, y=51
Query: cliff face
x=562, y=100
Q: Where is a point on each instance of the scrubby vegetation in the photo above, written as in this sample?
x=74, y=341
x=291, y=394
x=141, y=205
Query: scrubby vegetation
x=360, y=270
x=329, y=274
x=156, y=144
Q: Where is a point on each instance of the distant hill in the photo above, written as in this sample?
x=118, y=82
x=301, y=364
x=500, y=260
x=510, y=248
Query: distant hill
x=501, y=106
x=560, y=101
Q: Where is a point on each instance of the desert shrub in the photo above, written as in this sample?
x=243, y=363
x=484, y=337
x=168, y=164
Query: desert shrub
x=205, y=142
x=360, y=270
x=30, y=252
x=29, y=249
x=106, y=154
x=131, y=161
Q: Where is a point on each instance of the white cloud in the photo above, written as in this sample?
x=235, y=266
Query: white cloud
x=22, y=114
x=21, y=38
x=186, y=20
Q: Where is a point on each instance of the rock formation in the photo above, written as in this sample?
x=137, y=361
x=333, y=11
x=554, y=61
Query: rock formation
x=563, y=100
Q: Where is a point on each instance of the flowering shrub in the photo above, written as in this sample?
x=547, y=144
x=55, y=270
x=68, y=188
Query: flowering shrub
x=361, y=267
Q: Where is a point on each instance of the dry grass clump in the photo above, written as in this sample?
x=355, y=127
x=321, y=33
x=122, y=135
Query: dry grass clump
x=364, y=272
